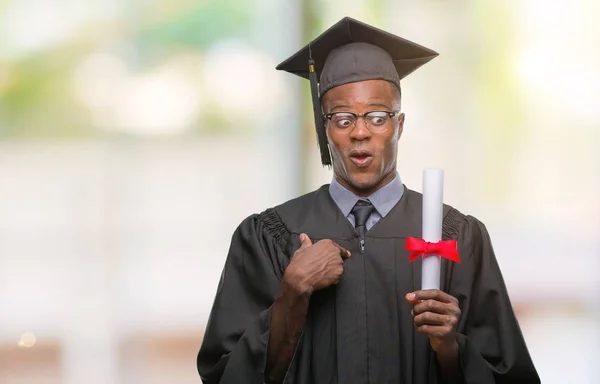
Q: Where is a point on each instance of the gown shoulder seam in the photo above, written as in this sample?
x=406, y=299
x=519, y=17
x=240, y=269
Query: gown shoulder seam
x=451, y=224
x=275, y=227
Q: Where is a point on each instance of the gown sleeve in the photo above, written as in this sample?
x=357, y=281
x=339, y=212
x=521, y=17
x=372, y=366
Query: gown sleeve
x=492, y=347
x=234, y=347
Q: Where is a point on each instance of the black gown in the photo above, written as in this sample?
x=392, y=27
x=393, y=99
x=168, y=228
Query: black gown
x=361, y=330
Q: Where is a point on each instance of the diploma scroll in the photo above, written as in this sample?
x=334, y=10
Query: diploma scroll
x=433, y=196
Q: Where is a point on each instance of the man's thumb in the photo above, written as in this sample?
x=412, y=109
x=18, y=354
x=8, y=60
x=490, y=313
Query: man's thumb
x=305, y=241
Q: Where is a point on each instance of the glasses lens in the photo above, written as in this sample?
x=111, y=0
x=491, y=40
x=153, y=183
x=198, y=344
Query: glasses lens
x=377, y=121
x=342, y=121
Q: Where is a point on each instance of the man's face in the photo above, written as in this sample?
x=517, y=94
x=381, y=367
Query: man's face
x=364, y=161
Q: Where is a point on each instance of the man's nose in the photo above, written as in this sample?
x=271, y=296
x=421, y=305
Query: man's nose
x=360, y=131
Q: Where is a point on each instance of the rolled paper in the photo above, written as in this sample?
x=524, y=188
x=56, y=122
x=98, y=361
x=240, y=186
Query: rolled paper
x=433, y=191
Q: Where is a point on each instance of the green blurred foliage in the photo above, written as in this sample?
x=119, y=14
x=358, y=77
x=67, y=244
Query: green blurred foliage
x=38, y=101
x=198, y=26
x=498, y=106
x=36, y=97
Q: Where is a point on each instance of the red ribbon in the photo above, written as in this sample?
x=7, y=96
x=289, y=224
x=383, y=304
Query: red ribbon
x=420, y=247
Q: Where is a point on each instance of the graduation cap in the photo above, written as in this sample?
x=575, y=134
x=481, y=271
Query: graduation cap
x=351, y=51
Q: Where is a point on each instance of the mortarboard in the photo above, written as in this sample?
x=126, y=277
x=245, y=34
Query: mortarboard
x=351, y=51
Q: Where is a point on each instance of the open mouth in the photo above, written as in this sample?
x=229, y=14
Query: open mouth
x=361, y=158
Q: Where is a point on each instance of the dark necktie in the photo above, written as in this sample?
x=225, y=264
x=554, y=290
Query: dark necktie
x=362, y=210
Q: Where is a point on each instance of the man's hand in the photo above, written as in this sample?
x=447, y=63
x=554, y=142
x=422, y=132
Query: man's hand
x=317, y=266
x=436, y=314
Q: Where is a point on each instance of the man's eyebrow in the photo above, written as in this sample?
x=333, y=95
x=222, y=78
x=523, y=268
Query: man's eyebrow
x=375, y=104
x=379, y=105
x=337, y=106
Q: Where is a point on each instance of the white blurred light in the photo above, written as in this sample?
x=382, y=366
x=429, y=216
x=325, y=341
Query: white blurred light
x=550, y=331
x=557, y=65
x=98, y=80
x=569, y=86
x=27, y=340
x=242, y=80
x=163, y=101
x=30, y=25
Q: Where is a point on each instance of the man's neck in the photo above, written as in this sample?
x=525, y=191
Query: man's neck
x=368, y=191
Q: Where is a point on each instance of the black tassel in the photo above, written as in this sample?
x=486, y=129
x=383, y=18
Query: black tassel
x=319, y=123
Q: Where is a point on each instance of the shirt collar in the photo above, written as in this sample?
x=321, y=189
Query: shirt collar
x=384, y=199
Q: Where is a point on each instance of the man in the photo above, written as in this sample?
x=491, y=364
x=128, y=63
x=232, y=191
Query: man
x=321, y=290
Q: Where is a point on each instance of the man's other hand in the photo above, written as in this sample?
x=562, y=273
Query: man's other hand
x=436, y=314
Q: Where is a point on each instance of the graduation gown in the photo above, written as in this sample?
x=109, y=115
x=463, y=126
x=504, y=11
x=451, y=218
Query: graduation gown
x=360, y=330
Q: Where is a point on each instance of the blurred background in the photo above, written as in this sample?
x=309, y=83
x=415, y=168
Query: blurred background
x=136, y=135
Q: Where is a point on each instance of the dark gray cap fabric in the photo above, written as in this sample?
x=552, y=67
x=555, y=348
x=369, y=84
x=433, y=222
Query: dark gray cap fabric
x=357, y=62
x=351, y=51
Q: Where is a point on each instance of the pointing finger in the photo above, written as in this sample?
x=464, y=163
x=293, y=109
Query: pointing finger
x=343, y=251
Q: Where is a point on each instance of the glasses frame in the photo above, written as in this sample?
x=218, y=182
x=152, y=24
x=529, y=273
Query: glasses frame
x=391, y=114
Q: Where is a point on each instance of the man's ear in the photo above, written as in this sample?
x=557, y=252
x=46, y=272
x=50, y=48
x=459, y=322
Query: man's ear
x=400, y=125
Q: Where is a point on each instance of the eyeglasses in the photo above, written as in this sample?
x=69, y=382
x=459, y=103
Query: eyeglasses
x=376, y=121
